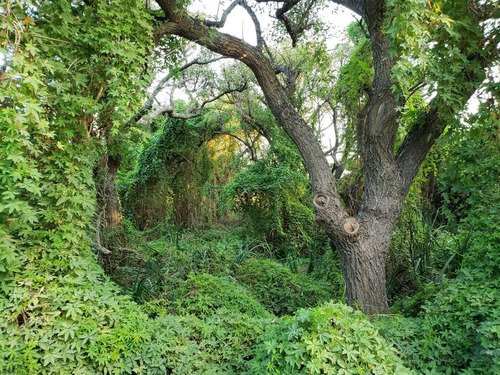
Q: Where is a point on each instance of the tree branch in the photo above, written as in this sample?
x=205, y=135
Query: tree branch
x=255, y=20
x=220, y=23
x=357, y=6
x=424, y=133
x=293, y=30
x=101, y=248
x=193, y=112
x=149, y=103
x=316, y=164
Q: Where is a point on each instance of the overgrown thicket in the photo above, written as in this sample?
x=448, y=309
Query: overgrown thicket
x=272, y=196
x=170, y=176
x=221, y=268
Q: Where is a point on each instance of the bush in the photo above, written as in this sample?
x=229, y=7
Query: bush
x=458, y=331
x=163, y=263
x=278, y=289
x=330, y=339
x=222, y=343
x=74, y=324
x=273, y=197
x=204, y=294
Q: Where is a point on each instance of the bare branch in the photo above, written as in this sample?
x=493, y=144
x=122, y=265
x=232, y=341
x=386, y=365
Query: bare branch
x=365, y=32
x=255, y=20
x=226, y=92
x=357, y=6
x=293, y=30
x=101, y=248
x=222, y=21
x=193, y=112
x=414, y=89
x=149, y=103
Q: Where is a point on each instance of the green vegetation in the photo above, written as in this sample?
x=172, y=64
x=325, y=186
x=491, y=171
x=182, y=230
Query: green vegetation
x=280, y=290
x=330, y=339
x=188, y=244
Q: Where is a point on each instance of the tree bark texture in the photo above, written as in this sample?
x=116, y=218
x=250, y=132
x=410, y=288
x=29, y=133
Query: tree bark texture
x=109, y=222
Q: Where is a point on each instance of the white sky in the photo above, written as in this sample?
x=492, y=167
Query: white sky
x=240, y=24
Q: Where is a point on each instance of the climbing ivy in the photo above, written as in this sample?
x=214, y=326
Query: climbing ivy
x=70, y=70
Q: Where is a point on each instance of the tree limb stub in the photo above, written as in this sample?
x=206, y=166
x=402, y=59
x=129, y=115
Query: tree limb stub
x=351, y=226
x=321, y=201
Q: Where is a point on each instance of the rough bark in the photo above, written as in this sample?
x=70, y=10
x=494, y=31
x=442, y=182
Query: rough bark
x=363, y=266
x=109, y=213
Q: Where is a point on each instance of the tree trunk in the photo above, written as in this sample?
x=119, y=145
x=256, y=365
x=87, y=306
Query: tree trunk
x=112, y=213
x=363, y=257
x=363, y=240
x=109, y=224
x=363, y=267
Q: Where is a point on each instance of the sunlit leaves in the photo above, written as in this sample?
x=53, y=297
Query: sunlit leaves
x=330, y=339
x=436, y=45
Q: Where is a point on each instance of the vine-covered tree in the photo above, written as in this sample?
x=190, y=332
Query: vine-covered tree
x=442, y=48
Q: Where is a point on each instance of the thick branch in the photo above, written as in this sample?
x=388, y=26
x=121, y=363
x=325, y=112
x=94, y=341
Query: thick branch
x=357, y=6
x=383, y=191
x=417, y=144
x=422, y=136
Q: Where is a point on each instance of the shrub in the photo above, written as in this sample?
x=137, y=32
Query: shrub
x=280, y=290
x=330, y=339
x=204, y=294
x=74, y=324
x=222, y=343
x=272, y=195
x=457, y=331
x=162, y=264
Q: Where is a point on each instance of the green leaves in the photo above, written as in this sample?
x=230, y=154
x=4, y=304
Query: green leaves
x=54, y=95
x=438, y=46
x=279, y=290
x=330, y=339
x=456, y=334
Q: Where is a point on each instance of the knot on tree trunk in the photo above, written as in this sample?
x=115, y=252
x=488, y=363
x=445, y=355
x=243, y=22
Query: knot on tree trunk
x=351, y=226
x=321, y=201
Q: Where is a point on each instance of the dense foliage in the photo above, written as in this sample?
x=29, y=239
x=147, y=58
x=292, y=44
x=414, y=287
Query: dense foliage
x=170, y=176
x=222, y=268
x=329, y=339
x=280, y=290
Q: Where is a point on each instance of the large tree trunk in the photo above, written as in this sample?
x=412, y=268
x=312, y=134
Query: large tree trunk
x=363, y=266
x=363, y=239
x=363, y=243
